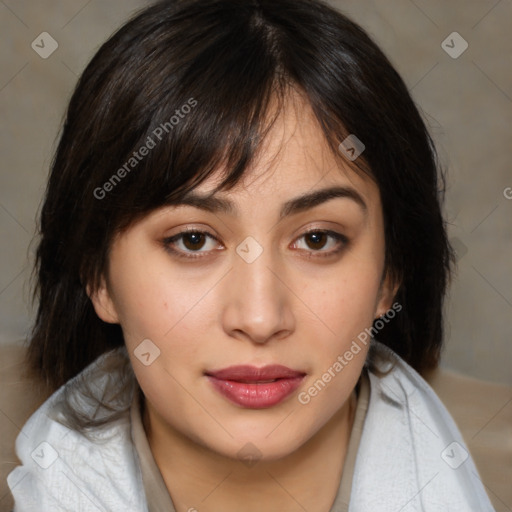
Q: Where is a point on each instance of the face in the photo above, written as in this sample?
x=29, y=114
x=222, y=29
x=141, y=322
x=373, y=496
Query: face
x=261, y=276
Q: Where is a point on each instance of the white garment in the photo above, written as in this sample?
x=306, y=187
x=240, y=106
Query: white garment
x=411, y=456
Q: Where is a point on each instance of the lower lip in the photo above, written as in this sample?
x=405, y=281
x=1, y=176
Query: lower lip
x=256, y=396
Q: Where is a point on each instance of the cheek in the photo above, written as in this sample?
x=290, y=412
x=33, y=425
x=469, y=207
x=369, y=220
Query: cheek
x=345, y=310
x=150, y=299
x=173, y=312
x=345, y=301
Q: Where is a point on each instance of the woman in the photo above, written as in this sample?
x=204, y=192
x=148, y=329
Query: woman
x=241, y=273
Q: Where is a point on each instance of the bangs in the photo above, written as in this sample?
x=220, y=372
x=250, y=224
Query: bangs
x=189, y=102
x=209, y=110
x=189, y=140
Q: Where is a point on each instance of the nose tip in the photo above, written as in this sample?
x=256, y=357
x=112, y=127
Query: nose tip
x=256, y=304
x=258, y=335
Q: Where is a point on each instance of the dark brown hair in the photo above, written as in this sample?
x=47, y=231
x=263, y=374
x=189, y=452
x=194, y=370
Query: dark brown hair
x=227, y=60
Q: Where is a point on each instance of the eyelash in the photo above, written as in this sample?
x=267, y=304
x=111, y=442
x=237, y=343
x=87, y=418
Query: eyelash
x=342, y=242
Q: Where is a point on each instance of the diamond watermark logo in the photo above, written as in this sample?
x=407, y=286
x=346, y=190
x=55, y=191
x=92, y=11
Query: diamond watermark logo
x=249, y=455
x=249, y=250
x=44, y=45
x=454, y=45
x=45, y=455
x=146, y=352
x=454, y=455
x=459, y=247
x=351, y=147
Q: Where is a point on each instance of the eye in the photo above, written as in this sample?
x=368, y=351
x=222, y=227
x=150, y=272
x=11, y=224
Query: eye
x=322, y=241
x=195, y=244
x=186, y=243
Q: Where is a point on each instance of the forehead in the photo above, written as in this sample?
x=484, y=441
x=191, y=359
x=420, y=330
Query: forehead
x=294, y=157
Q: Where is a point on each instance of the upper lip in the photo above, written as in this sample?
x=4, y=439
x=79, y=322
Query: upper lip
x=252, y=373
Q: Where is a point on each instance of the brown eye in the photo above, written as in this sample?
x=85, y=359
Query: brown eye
x=316, y=240
x=191, y=244
x=322, y=242
x=193, y=241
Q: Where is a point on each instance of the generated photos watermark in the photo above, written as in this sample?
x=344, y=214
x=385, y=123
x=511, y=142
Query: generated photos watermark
x=351, y=147
x=151, y=142
x=344, y=359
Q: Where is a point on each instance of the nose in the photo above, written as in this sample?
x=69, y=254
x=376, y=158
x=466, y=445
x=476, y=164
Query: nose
x=257, y=303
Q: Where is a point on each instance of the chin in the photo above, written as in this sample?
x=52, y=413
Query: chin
x=263, y=444
x=260, y=450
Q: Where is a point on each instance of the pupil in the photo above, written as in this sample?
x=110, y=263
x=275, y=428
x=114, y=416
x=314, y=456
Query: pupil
x=193, y=240
x=317, y=239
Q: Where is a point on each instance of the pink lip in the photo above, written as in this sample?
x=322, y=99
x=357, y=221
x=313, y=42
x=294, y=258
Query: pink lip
x=242, y=386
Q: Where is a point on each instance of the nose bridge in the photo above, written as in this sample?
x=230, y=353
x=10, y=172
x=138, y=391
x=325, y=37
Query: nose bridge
x=258, y=306
x=257, y=280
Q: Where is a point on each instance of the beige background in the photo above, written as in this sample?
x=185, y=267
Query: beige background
x=467, y=102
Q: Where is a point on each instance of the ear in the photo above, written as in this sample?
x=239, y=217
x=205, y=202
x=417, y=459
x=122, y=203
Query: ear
x=103, y=303
x=388, y=290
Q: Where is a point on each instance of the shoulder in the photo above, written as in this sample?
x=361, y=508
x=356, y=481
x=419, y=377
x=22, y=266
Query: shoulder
x=64, y=469
x=409, y=432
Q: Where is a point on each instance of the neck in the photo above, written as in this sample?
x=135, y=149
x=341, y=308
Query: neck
x=197, y=477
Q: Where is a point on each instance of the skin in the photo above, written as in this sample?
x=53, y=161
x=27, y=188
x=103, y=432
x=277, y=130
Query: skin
x=293, y=306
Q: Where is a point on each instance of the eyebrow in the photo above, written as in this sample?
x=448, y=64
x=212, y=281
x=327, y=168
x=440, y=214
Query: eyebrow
x=293, y=206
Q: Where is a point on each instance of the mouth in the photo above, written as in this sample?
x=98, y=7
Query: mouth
x=256, y=388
